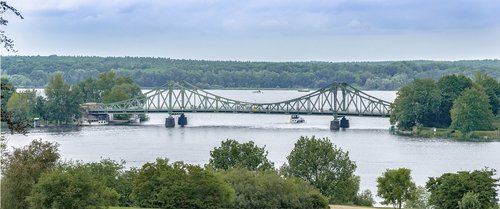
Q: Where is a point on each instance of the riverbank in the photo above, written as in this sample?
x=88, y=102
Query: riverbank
x=447, y=133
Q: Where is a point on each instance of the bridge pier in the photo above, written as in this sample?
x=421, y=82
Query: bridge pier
x=334, y=125
x=169, y=122
x=182, y=120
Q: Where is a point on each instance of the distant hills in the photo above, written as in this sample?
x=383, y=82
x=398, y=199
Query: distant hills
x=34, y=71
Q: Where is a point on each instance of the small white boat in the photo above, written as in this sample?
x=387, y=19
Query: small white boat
x=296, y=119
x=303, y=90
x=134, y=120
x=258, y=91
x=94, y=122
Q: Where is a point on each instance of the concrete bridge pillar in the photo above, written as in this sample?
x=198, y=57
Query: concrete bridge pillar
x=335, y=125
x=169, y=122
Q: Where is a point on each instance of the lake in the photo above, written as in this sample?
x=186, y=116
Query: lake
x=368, y=141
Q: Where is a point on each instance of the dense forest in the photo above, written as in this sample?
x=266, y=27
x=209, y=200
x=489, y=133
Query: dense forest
x=35, y=71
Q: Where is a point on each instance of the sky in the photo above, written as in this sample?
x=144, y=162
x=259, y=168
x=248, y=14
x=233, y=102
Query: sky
x=259, y=30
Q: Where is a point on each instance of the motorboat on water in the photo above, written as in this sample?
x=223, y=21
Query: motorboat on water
x=134, y=120
x=295, y=118
x=258, y=91
x=303, y=90
x=94, y=122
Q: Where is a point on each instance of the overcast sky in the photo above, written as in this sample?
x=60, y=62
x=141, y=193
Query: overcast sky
x=260, y=30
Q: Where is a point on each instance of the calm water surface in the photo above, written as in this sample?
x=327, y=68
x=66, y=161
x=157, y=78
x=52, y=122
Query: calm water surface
x=367, y=141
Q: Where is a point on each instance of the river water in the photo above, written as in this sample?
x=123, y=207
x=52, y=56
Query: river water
x=368, y=141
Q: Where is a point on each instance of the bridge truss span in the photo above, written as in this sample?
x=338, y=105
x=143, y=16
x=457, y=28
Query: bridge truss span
x=181, y=97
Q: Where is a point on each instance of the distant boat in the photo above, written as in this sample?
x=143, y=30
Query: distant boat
x=296, y=119
x=303, y=90
x=134, y=120
x=258, y=91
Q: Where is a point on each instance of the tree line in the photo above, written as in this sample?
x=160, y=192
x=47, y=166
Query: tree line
x=35, y=71
x=61, y=103
x=454, y=101
x=238, y=175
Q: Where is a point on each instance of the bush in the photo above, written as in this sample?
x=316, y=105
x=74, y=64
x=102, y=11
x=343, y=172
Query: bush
x=364, y=198
x=449, y=189
x=178, y=185
x=266, y=189
x=232, y=154
x=22, y=169
x=71, y=186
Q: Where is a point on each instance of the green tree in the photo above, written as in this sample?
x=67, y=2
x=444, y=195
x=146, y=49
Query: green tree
x=396, y=187
x=16, y=121
x=416, y=104
x=19, y=109
x=364, y=198
x=421, y=201
x=71, y=186
x=326, y=167
x=472, y=111
x=450, y=86
x=268, y=190
x=22, y=168
x=232, y=154
x=178, y=185
x=492, y=89
x=469, y=201
x=63, y=100
x=449, y=189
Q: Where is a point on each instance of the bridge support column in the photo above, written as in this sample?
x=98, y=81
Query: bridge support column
x=182, y=120
x=110, y=117
x=169, y=122
x=334, y=125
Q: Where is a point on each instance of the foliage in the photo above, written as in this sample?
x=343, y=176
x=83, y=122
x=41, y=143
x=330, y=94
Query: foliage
x=266, y=189
x=64, y=100
x=153, y=72
x=421, y=201
x=7, y=42
x=22, y=168
x=469, y=201
x=471, y=111
x=364, y=198
x=326, y=167
x=450, y=87
x=232, y=154
x=16, y=121
x=416, y=104
x=112, y=174
x=178, y=185
x=71, y=186
x=396, y=187
x=492, y=89
x=449, y=189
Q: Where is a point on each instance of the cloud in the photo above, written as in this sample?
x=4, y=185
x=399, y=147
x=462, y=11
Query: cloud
x=190, y=25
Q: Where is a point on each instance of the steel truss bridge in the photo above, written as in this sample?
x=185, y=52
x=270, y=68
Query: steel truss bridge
x=337, y=99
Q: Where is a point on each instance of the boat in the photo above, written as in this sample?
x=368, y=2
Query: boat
x=296, y=119
x=95, y=120
x=303, y=90
x=134, y=120
x=258, y=91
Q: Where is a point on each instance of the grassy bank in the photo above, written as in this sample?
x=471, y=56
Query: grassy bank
x=428, y=132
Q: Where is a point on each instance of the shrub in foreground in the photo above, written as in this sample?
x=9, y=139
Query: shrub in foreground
x=179, y=185
x=267, y=190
